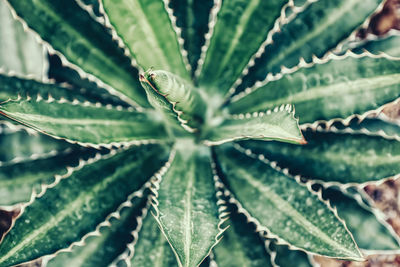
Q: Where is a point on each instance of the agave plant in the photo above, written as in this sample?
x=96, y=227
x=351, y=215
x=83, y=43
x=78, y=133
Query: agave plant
x=173, y=141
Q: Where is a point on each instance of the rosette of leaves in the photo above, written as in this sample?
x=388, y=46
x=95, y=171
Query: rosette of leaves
x=182, y=147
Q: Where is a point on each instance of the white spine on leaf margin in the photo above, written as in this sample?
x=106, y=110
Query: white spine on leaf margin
x=65, y=62
x=380, y=216
x=281, y=21
x=264, y=230
x=154, y=181
x=211, y=25
x=303, y=64
x=178, y=32
x=284, y=107
x=353, y=36
x=111, y=145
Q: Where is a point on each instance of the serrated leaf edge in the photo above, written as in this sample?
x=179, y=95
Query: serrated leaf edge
x=264, y=230
x=363, y=26
x=284, y=107
x=282, y=20
x=130, y=250
x=66, y=63
x=177, y=112
x=212, y=21
x=222, y=213
x=329, y=56
x=57, y=178
x=341, y=187
x=178, y=32
x=76, y=102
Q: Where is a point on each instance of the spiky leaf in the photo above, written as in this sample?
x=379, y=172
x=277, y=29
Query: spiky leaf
x=344, y=158
x=84, y=42
x=187, y=211
x=284, y=207
x=241, y=244
x=370, y=231
x=388, y=45
x=21, y=142
x=145, y=26
x=175, y=97
x=278, y=124
x=338, y=88
x=100, y=251
x=20, y=177
x=12, y=86
x=78, y=203
x=151, y=248
x=192, y=17
x=312, y=32
x=286, y=257
x=19, y=51
x=242, y=26
x=83, y=123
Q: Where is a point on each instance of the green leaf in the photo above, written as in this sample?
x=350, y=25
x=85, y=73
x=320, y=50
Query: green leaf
x=74, y=205
x=21, y=176
x=20, y=142
x=241, y=244
x=186, y=208
x=146, y=29
x=151, y=248
x=192, y=17
x=278, y=124
x=101, y=250
x=285, y=257
x=388, y=45
x=236, y=38
x=91, y=90
x=335, y=157
x=12, y=86
x=312, y=32
x=174, y=97
x=19, y=51
x=84, y=42
x=337, y=87
x=84, y=123
x=284, y=208
x=370, y=232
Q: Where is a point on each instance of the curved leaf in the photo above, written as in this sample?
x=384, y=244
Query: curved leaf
x=20, y=177
x=368, y=230
x=335, y=157
x=241, y=28
x=285, y=208
x=152, y=249
x=192, y=17
x=77, y=202
x=84, y=42
x=19, y=51
x=313, y=32
x=18, y=142
x=100, y=250
x=388, y=45
x=278, y=124
x=339, y=87
x=83, y=123
x=12, y=86
x=174, y=97
x=285, y=257
x=145, y=27
x=241, y=245
x=186, y=208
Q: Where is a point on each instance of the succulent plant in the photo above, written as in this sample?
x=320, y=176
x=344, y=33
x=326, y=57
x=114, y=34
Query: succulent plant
x=172, y=140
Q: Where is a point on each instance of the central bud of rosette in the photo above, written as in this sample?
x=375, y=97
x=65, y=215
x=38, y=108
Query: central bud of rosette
x=175, y=97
